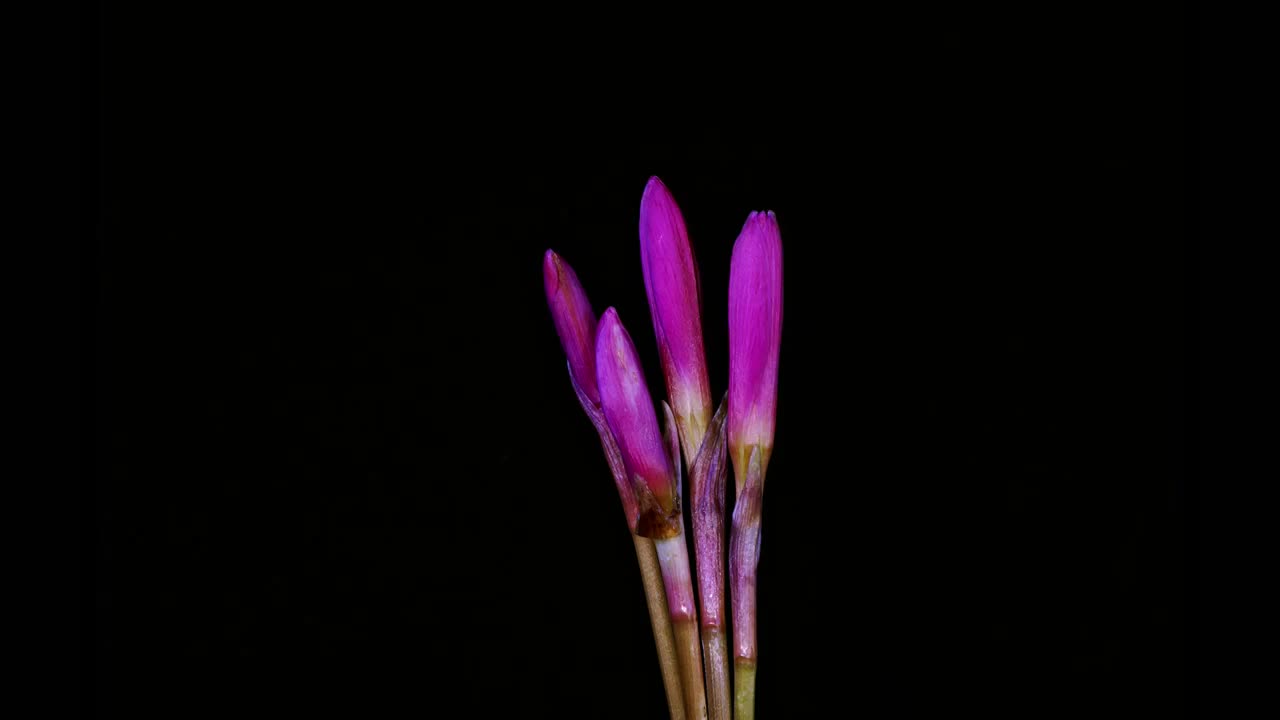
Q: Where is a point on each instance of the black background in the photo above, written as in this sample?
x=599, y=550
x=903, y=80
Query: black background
x=341, y=468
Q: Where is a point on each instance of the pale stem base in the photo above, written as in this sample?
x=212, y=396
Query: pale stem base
x=673, y=556
x=660, y=619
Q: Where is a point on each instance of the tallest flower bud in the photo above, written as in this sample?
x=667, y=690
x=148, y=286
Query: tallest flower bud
x=671, y=283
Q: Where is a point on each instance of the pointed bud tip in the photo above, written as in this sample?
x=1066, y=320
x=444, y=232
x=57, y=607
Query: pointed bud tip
x=760, y=238
x=575, y=322
x=761, y=220
x=612, y=337
x=551, y=269
x=655, y=184
x=658, y=197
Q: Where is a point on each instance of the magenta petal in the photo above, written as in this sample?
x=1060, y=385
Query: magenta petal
x=671, y=283
x=629, y=411
x=575, y=322
x=755, y=332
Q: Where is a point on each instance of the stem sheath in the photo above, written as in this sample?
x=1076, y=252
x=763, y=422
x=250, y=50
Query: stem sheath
x=708, y=471
x=744, y=558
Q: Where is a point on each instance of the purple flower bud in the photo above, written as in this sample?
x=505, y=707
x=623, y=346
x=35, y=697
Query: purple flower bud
x=755, y=331
x=575, y=322
x=671, y=283
x=629, y=411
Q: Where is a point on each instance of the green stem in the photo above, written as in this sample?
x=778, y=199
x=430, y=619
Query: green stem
x=744, y=689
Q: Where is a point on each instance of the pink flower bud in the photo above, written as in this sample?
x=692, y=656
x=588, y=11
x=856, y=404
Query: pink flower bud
x=629, y=410
x=755, y=332
x=671, y=283
x=575, y=322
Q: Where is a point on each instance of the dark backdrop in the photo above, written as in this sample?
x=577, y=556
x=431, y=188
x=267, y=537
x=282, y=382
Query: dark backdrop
x=341, y=466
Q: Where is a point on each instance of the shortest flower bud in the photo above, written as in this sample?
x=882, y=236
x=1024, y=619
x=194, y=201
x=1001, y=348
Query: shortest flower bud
x=628, y=409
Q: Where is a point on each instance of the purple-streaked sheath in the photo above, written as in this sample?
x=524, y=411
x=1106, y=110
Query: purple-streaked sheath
x=710, y=468
x=744, y=557
x=707, y=475
x=755, y=331
x=671, y=283
x=628, y=409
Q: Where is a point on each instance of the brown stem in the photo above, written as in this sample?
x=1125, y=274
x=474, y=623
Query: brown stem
x=660, y=619
x=715, y=650
x=686, y=632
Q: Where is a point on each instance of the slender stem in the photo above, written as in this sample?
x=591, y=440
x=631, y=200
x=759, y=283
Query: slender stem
x=715, y=650
x=686, y=632
x=673, y=557
x=659, y=618
x=744, y=689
